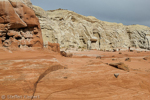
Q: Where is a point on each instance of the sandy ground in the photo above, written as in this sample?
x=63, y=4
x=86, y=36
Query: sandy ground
x=26, y=75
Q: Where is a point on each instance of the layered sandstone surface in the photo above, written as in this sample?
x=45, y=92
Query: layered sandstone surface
x=45, y=75
x=19, y=27
x=72, y=30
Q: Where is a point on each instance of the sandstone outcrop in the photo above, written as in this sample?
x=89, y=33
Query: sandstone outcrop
x=72, y=30
x=54, y=47
x=121, y=66
x=46, y=75
x=147, y=58
x=50, y=69
x=66, y=54
x=19, y=27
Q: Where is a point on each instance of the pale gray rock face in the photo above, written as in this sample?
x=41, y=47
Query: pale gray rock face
x=139, y=36
x=27, y=2
x=72, y=30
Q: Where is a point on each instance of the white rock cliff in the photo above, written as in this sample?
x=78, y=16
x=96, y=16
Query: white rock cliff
x=72, y=30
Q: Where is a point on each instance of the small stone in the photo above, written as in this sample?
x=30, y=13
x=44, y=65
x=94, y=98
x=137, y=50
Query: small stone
x=114, y=50
x=116, y=75
x=65, y=77
x=10, y=51
x=98, y=57
x=65, y=54
x=147, y=58
x=65, y=67
x=131, y=50
x=128, y=59
x=114, y=59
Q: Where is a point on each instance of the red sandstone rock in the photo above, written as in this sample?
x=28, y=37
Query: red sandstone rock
x=8, y=15
x=25, y=13
x=1, y=34
x=32, y=73
x=65, y=54
x=54, y=47
x=18, y=21
x=121, y=66
x=147, y=58
x=11, y=33
x=0, y=42
x=14, y=43
x=6, y=43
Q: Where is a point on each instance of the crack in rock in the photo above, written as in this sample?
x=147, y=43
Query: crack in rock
x=50, y=69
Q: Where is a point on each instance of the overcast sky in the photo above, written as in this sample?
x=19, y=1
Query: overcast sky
x=127, y=12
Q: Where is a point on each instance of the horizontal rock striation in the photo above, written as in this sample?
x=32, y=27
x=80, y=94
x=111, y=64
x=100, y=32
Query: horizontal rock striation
x=72, y=30
x=19, y=27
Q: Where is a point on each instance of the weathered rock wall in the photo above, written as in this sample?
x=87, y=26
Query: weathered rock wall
x=139, y=36
x=19, y=27
x=72, y=30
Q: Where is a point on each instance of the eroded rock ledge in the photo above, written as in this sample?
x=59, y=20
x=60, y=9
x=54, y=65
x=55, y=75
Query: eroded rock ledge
x=19, y=27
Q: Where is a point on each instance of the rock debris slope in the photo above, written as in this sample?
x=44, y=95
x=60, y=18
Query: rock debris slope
x=72, y=30
x=19, y=27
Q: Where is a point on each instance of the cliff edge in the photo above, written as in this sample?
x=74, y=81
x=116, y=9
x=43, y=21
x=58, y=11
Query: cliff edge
x=72, y=30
